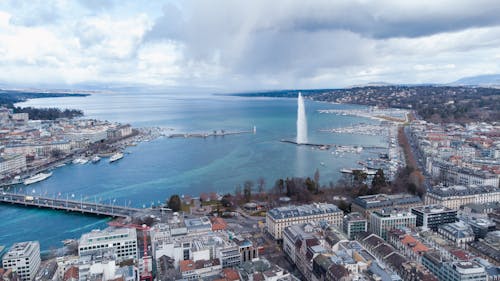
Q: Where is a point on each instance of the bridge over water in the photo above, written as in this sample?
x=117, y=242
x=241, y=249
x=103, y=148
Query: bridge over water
x=83, y=207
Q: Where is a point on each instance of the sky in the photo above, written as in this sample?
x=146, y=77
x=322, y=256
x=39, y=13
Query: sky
x=232, y=45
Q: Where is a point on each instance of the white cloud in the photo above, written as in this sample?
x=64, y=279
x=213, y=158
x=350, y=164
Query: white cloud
x=246, y=45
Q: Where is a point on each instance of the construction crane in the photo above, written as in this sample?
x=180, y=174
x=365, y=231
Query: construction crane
x=145, y=275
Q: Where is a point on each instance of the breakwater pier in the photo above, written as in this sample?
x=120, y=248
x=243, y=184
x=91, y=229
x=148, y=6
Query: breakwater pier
x=327, y=146
x=215, y=133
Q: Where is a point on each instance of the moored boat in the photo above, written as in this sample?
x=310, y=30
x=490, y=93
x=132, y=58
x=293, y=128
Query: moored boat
x=96, y=159
x=37, y=178
x=115, y=157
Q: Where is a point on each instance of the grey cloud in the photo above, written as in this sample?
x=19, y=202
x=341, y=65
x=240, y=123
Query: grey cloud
x=390, y=19
x=283, y=38
x=170, y=25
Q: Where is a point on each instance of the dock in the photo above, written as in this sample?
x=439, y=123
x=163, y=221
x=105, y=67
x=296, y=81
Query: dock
x=82, y=207
x=320, y=146
x=215, y=133
x=327, y=146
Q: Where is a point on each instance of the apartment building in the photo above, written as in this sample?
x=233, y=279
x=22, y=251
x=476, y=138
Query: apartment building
x=279, y=218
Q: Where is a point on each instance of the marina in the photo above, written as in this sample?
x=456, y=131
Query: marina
x=382, y=114
x=360, y=129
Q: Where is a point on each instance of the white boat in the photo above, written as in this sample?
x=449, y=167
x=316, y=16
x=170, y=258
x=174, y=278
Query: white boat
x=68, y=242
x=37, y=178
x=115, y=157
x=96, y=159
x=346, y=171
x=80, y=161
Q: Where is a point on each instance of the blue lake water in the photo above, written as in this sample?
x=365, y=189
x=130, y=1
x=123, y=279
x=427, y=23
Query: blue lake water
x=155, y=170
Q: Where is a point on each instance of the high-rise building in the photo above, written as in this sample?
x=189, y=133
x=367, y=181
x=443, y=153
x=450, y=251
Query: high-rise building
x=381, y=222
x=24, y=258
x=122, y=241
x=432, y=216
x=354, y=223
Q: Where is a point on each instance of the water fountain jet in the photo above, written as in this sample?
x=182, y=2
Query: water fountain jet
x=301, y=121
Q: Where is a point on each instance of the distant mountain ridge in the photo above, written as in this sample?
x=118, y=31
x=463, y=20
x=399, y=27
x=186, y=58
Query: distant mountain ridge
x=479, y=80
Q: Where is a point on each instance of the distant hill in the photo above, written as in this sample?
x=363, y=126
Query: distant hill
x=434, y=103
x=372, y=84
x=480, y=80
x=9, y=97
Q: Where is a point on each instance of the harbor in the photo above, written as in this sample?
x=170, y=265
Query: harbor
x=360, y=129
x=382, y=114
x=155, y=166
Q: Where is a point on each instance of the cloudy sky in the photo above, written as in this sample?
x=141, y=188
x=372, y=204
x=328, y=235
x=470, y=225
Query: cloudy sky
x=245, y=45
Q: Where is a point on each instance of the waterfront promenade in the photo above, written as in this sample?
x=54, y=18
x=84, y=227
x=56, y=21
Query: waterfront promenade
x=83, y=207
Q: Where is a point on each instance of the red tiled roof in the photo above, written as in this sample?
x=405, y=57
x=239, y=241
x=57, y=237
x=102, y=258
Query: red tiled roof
x=218, y=224
x=231, y=274
x=186, y=265
x=71, y=273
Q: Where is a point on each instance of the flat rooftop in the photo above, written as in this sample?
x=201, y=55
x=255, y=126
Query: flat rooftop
x=433, y=209
x=303, y=210
x=21, y=249
x=101, y=236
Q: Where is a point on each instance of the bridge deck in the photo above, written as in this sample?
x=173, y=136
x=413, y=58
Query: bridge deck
x=67, y=205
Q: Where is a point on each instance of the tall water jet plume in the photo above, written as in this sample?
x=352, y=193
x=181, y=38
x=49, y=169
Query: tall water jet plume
x=301, y=121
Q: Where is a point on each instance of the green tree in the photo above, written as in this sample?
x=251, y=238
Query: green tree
x=279, y=185
x=359, y=176
x=310, y=185
x=344, y=206
x=378, y=180
x=412, y=188
x=175, y=203
x=237, y=191
x=260, y=184
x=247, y=190
x=316, y=178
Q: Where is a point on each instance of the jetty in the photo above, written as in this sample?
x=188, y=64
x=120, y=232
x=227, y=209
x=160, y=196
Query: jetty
x=75, y=206
x=320, y=146
x=327, y=146
x=215, y=133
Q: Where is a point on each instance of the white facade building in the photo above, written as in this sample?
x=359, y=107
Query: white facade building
x=279, y=218
x=454, y=197
x=123, y=241
x=24, y=258
x=12, y=164
x=381, y=222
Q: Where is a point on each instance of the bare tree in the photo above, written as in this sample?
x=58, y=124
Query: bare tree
x=261, y=184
